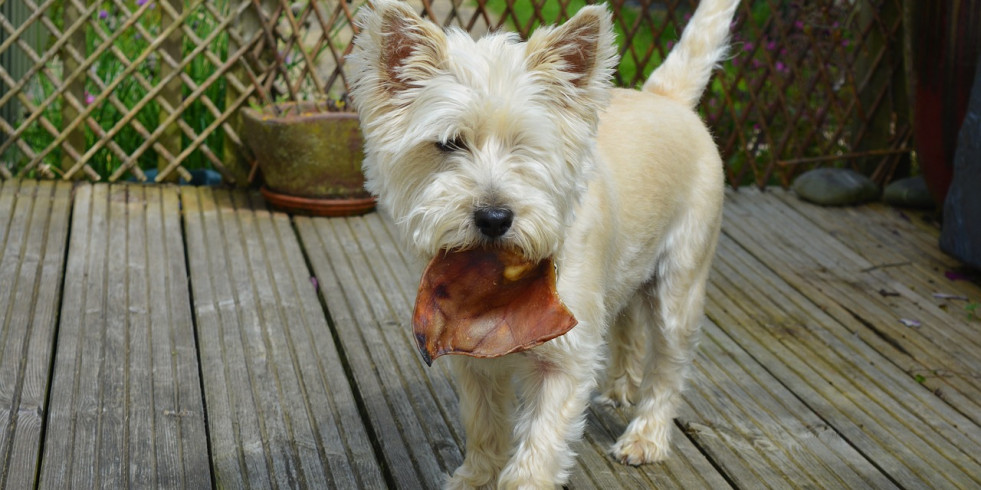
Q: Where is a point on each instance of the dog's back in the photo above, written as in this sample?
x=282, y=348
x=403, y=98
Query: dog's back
x=656, y=150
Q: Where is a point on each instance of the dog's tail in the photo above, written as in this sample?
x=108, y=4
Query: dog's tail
x=686, y=71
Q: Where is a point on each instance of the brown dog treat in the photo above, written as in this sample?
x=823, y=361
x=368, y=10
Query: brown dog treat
x=487, y=303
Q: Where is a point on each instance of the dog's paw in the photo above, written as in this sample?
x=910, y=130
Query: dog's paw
x=469, y=476
x=618, y=393
x=467, y=481
x=635, y=450
x=613, y=398
x=513, y=481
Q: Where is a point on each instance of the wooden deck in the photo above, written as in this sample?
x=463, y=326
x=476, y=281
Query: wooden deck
x=189, y=338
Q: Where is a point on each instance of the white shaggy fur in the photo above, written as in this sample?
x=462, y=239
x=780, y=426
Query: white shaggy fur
x=622, y=188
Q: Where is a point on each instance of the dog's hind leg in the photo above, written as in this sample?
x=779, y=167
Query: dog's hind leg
x=628, y=346
x=678, y=296
x=486, y=404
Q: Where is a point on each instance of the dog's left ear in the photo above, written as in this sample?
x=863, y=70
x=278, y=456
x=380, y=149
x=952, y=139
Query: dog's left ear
x=581, y=52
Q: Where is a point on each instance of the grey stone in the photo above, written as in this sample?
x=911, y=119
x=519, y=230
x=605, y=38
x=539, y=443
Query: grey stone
x=961, y=233
x=910, y=192
x=835, y=187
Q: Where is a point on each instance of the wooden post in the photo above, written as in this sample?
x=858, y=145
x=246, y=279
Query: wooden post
x=76, y=88
x=170, y=138
x=245, y=28
x=886, y=81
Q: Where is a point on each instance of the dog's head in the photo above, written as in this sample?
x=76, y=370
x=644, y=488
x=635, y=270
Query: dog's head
x=486, y=142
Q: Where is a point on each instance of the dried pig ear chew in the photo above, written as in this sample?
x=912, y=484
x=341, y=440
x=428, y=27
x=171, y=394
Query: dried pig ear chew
x=487, y=303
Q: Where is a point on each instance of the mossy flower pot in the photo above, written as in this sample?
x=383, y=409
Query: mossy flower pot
x=310, y=158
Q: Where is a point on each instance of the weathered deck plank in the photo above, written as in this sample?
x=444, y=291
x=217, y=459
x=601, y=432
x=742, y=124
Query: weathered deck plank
x=413, y=431
x=805, y=376
x=811, y=344
x=941, y=351
x=33, y=238
x=103, y=413
x=280, y=409
x=755, y=427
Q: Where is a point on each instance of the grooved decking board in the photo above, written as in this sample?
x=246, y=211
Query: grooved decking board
x=281, y=412
x=758, y=431
x=805, y=376
x=369, y=288
x=872, y=300
x=908, y=254
x=126, y=405
x=33, y=238
x=411, y=410
x=895, y=243
x=786, y=312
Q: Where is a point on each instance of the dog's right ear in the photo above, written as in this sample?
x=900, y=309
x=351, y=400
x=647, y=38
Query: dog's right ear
x=395, y=49
x=576, y=59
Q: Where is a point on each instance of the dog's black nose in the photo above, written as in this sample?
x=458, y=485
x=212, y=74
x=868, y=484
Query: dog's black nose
x=493, y=222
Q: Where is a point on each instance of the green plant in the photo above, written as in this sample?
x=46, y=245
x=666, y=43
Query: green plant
x=774, y=83
x=972, y=310
x=130, y=90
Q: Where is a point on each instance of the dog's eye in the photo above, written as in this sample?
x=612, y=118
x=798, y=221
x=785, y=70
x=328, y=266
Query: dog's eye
x=455, y=144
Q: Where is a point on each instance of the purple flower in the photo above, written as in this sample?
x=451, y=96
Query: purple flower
x=89, y=98
x=141, y=3
x=780, y=67
x=748, y=46
x=771, y=45
x=103, y=14
x=956, y=275
x=799, y=25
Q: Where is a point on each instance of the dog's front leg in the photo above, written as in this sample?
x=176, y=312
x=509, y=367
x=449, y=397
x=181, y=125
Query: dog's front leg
x=555, y=384
x=486, y=401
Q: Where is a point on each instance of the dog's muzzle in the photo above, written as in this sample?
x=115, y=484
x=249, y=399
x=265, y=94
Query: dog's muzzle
x=493, y=222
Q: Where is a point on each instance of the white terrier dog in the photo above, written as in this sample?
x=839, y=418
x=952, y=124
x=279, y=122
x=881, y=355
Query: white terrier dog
x=497, y=142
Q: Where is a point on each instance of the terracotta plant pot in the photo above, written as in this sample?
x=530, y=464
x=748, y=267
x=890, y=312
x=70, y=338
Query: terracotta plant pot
x=310, y=158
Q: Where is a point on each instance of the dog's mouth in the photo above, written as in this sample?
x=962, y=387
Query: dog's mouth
x=487, y=302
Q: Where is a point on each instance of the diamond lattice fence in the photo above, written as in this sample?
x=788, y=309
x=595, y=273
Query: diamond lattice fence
x=151, y=88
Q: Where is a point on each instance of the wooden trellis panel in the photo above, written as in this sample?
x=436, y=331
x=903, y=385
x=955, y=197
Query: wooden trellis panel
x=109, y=89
